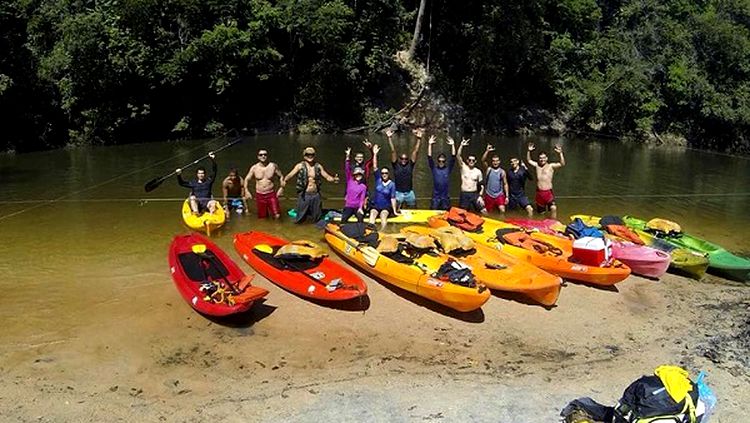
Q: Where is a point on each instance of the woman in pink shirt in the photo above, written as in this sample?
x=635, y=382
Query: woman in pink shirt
x=356, y=191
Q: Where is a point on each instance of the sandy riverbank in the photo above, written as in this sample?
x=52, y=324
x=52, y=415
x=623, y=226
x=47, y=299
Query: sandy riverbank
x=398, y=360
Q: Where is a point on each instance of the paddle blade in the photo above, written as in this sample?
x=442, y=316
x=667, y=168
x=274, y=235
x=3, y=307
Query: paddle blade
x=370, y=255
x=153, y=184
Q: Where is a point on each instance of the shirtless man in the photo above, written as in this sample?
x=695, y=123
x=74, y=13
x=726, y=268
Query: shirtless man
x=472, y=186
x=266, y=196
x=309, y=175
x=545, y=198
x=234, y=193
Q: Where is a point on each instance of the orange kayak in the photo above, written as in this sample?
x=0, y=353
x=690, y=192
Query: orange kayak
x=503, y=272
x=416, y=277
x=535, y=249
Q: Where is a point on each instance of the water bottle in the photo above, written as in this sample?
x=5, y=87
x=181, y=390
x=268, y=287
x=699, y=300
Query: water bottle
x=706, y=395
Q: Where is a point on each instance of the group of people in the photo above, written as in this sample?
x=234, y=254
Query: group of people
x=482, y=190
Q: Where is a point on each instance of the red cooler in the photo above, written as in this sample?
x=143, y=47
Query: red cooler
x=592, y=251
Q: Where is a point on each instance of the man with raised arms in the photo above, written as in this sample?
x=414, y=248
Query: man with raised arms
x=545, y=171
x=517, y=176
x=201, y=198
x=441, y=173
x=310, y=175
x=266, y=195
x=472, y=186
x=403, y=169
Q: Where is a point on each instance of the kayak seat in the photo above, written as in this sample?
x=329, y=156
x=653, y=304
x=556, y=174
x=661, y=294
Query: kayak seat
x=281, y=263
x=199, y=267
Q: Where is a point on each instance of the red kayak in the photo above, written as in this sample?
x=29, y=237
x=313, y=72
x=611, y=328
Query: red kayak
x=208, y=279
x=320, y=279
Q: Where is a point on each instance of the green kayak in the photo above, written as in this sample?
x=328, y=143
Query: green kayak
x=721, y=261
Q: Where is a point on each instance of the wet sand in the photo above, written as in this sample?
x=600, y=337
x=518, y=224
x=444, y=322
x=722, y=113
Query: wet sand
x=392, y=358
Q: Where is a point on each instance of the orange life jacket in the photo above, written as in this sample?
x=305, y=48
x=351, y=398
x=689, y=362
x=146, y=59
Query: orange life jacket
x=523, y=240
x=625, y=233
x=462, y=219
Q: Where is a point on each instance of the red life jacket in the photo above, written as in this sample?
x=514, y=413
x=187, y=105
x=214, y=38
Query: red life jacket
x=462, y=219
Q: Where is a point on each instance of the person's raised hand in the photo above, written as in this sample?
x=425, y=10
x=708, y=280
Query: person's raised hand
x=212, y=155
x=367, y=144
x=418, y=132
x=531, y=146
x=375, y=149
x=558, y=149
x=449, y=140
x=348, y=151
x=432, y=140
x=465, y=142
x=389, y=133
x=178, y=171
x=490, y=147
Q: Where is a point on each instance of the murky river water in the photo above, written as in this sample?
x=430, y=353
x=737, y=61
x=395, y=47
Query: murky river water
x=100, y=251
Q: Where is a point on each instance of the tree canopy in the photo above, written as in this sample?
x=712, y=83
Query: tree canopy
x=110, y=71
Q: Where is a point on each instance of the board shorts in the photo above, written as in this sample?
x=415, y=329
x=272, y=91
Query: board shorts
x=309, y=204
x=235, y=204
x=267, y=203
x=440, y=203
x=494, y=203
x=469, y=201
x=545, y=199
x=521, y=201
x=407, y=198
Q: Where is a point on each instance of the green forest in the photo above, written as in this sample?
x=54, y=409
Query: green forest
x=81, y=72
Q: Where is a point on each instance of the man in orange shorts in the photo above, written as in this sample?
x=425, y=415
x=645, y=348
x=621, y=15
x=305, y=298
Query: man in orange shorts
x=266, y=195
x=545, y=197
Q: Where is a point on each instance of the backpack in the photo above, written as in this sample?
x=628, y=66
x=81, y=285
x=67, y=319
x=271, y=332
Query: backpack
x=578, y=229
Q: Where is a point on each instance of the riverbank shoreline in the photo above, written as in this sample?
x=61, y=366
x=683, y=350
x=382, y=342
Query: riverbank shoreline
x=393, y=358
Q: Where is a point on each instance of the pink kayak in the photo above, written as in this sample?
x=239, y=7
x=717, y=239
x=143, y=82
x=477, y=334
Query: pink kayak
x=642, y=260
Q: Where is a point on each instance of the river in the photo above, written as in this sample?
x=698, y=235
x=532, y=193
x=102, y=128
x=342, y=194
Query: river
x=84, y=247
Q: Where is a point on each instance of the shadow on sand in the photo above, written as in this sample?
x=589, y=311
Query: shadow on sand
x=259, y=311
x=476, y=316
x=520, y=298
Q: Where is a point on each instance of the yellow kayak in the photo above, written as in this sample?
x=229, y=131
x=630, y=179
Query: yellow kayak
x=206, y=222
x=416, y=277
x=406, y=216
x=503, y=272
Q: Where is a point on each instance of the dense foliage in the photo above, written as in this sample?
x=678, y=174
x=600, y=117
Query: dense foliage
x=83, y=71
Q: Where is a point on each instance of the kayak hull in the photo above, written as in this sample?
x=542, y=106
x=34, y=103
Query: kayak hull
x=310, y=282
x=206, y=222
x=410, y=278
x=188, y=284
x=558, y=265
x=503, y=272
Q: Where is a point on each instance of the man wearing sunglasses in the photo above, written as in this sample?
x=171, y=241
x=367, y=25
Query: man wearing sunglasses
x=472, y=187
x=441, y=173
x=403, y=169
x=310, y=175
x=266, y=195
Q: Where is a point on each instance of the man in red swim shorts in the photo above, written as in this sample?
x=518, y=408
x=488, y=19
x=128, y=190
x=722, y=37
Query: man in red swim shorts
x=545, y=171
x=266, y=195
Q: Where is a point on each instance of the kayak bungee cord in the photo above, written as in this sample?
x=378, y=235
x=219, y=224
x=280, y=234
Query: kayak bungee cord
x=144, y=201
x=42, y=203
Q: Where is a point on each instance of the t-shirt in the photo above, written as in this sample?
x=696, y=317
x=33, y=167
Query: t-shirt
x=201, y=190
x=441, y=176
x=384, y=192
x=471, y=178
x=494, y=183
x=517, y=181
x=403, y=175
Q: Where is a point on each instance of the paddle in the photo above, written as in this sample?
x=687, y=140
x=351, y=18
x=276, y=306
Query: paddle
x=154, y=183
x=370, y=254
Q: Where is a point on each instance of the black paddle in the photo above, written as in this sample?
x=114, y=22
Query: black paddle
x=154, y=183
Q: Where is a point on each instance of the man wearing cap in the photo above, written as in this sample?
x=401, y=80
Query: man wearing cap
x=266, y=195
x=403, y=169
x=309, y=175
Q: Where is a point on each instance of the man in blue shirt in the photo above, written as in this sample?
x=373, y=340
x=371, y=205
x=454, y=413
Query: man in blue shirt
x=517, y=176
x=201, y=198
x=441, y=173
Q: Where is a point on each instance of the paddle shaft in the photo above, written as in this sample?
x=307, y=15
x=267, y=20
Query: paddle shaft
x=154, y=183
x=366, y=254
